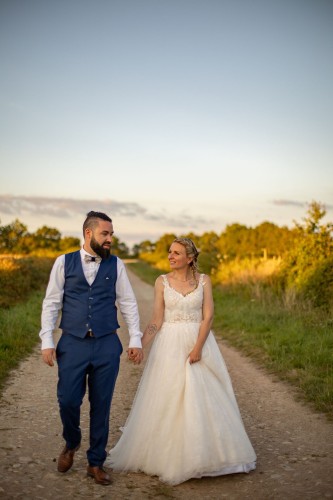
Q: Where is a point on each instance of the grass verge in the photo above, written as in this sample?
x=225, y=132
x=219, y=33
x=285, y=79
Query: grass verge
x=19, y=328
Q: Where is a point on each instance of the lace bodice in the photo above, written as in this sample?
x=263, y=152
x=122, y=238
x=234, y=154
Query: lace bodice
x=183, y=308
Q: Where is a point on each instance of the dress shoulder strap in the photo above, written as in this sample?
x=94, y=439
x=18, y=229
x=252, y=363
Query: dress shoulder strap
x=201, y=278
x=165, y=279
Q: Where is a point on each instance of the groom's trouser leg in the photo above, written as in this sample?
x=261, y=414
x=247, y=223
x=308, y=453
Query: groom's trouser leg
x=73, y=358
x=102, y=377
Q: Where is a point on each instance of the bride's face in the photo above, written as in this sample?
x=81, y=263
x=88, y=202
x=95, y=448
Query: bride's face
x=177, y=256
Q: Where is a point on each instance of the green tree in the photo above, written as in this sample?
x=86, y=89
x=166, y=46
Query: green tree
x=157, y=254
x=119, y=248
x=209, y=257
x=145, y=246
x=208, y=242
x=237, y=240
x=271, y=240
x=307, y=267
x=69, y=243
x=163, y=244
x=48, y=238
x=11, y=235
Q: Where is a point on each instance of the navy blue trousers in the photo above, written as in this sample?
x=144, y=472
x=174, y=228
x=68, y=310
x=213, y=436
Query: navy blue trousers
x=93, y=362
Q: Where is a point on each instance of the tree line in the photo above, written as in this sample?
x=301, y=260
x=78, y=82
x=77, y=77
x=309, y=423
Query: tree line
x=297, y=260
x=16, y=239
x=294, y=262
x=237, y=240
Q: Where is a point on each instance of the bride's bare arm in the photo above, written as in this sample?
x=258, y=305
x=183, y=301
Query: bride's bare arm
x=158, y=313
x=207, y=321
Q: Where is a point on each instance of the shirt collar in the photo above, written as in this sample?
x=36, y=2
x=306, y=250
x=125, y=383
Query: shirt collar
x=83, y=252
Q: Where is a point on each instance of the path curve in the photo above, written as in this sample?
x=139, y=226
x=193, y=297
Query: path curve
x=294, y=445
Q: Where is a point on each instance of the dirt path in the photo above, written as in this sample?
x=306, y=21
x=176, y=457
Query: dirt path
x=293, y=444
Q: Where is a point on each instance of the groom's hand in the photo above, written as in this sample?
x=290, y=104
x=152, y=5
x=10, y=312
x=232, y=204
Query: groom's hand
x=135, y=354
x=49, y=356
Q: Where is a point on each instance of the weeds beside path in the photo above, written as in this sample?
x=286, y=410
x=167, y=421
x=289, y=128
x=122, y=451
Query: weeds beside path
x=293, y=444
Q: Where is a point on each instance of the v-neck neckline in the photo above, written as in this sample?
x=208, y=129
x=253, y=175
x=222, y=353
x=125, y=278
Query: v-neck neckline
x=180, y=293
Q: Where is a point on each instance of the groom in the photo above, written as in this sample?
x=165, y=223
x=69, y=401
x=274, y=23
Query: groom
x=85, y=286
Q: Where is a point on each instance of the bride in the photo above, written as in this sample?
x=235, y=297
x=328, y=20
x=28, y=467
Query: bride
x=185, y=422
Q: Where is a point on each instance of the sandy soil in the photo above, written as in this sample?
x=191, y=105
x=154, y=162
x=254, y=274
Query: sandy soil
x=294, y=445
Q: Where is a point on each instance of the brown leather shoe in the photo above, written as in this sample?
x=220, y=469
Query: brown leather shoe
x=66, y=459
x=99, y=474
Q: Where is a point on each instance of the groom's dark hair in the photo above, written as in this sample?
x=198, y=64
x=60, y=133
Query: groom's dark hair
x=92, y=219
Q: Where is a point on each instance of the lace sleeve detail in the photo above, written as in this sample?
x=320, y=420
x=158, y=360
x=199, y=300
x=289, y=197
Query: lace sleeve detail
x=165, y=281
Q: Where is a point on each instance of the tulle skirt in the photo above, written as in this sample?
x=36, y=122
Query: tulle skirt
x=185, y=422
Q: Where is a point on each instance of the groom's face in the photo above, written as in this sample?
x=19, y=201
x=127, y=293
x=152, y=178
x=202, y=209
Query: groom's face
x=101, y=239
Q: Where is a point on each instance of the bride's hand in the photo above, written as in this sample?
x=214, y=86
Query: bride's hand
x=194, y=356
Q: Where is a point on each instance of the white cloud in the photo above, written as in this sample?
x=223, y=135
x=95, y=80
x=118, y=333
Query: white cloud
x=66, y=208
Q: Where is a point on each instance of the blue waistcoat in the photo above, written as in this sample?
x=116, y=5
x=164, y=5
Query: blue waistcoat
x=89, y=307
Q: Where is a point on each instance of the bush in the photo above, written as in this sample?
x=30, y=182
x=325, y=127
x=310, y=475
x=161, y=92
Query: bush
x=307, y=268
x=319, y=286
x=21, y=276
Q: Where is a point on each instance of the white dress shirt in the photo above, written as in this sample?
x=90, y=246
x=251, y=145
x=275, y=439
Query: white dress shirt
x=52, y=303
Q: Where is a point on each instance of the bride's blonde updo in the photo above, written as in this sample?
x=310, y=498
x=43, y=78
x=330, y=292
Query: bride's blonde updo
x=191, y=251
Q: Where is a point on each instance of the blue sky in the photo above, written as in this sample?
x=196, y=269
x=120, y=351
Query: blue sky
x=170, y=115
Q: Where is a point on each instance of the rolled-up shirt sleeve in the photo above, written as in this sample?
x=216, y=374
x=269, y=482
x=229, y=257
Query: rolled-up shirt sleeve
x=128, y=305
x=52, y=303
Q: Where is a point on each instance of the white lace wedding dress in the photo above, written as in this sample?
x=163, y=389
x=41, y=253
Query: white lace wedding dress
x=185, y=422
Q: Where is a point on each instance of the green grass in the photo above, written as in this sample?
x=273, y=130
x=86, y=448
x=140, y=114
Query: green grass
x=296, y=345
x=22, y=288
x=147, y=273
x=19, y=329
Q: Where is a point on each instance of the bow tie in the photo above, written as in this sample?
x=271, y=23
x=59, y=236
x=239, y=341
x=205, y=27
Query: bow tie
x=89, y=258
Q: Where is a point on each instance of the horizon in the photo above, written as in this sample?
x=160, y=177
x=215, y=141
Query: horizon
x=131, y=239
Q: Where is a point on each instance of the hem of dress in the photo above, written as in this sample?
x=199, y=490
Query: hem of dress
x=233, y=469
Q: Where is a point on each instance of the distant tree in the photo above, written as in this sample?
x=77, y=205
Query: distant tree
x=48, y=238
x=68, y=243
x=157, y=253
x=27, y=244
x=194, y=237
x=207, y=242
x=209, y=252
x=119, y=248
x=11, y=235
x=308, y=266
x=312, y=222
x=163, y=244
x=135, y=250
x=271, y=240
x=237, y=240
x=146, y=246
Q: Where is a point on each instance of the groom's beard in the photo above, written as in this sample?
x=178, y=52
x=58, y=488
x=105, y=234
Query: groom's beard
x=102, y=251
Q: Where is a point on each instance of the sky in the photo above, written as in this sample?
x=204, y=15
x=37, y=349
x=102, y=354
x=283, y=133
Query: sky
x=172, y=116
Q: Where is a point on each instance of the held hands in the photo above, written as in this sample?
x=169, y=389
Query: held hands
x=49, y=356
x=135, y=354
